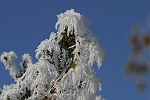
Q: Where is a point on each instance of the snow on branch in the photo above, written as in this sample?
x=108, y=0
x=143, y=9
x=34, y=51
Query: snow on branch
x=26, y=61
x=8, y=60
x=64, y=68
x=74, y=21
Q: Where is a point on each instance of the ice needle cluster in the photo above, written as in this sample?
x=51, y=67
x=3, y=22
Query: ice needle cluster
x=64, y=68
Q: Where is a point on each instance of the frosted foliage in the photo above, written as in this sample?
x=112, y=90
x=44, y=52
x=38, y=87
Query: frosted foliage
x=26, y=61
x=74, y=21
x=8, y=60
x=64, y=68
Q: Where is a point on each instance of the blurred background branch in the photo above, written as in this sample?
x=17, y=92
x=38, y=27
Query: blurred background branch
x=138, y=65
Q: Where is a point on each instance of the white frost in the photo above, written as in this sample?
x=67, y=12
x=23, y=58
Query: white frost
x=56, y=74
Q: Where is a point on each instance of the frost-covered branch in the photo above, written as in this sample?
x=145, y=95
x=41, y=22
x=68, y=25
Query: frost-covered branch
x=8, y=60
x=26, y=61
x=64, y=68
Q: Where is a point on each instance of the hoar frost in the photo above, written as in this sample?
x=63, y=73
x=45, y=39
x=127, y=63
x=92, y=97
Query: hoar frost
x=64, y=68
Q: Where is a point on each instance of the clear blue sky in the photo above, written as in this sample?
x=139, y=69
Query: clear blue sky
x=25, y=23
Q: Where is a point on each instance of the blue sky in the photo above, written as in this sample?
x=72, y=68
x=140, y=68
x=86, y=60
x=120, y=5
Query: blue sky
x=25, y=23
